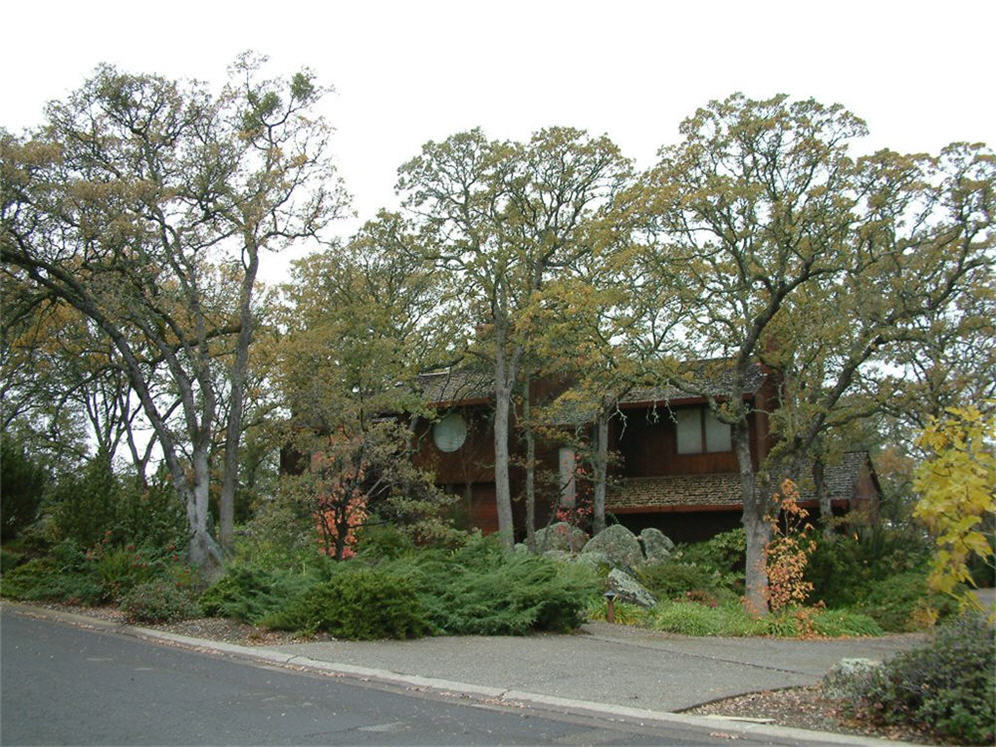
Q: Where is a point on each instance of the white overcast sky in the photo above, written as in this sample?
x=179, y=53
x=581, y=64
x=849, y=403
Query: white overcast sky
x=920, y=73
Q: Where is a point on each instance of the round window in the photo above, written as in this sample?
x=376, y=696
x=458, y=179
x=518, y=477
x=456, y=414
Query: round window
x=450, y=432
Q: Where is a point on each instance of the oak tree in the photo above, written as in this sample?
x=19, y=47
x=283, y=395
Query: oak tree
x=146, y=204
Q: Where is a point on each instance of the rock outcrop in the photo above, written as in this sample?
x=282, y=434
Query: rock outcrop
x=619, y=544
x=628, y=589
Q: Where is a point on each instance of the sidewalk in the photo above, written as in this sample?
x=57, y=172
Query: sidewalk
x=608, y=663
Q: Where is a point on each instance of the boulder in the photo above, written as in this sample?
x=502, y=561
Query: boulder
x=837, y=682
x=598, y=561
x=628, y=589
x=619, y=544
x=657, y=546
x=558, y=555
x=560, y=536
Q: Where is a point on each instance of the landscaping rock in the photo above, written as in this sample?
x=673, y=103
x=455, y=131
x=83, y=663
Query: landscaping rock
x=657, y=546
x=560, y=536
x=598, y=561
x=843, y=673
x=559, y=555
x=619, y=544
x=628, y=589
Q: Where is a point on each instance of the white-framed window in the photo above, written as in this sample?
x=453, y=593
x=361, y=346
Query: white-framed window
x=450, y=433
x=699, y=431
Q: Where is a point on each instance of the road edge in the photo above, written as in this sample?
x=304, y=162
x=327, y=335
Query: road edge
x=449, y=688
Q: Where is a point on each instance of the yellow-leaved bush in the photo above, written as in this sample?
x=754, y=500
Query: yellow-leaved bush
x=957, y=487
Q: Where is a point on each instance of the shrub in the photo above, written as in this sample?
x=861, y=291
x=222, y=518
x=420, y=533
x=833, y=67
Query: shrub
x=97, y=506
x=947, y=686
x=900, y=603
x=382, y=542
x=277, y=537
x=840, y=623
x=673, y=578
x=46, y=579
x=625, y=613
x=357, y=603
x=22, y=481
x=118, y=569
x=725, y=553
x=249, y=594
x=10, y=559
x=843, y=567
x=481, y=589
x=692, y=618
x=159, y=601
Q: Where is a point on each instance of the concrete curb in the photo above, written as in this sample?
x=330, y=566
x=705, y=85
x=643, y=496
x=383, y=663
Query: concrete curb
x=492, y=695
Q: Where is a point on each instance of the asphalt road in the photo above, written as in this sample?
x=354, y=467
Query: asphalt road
x=65, y=685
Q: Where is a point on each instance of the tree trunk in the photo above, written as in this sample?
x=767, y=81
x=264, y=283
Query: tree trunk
x=203, y=551
x=820, y=486
x=530, y=468
x=756, y=528
x=599, y=463
x=504, y=376
x=239, y=374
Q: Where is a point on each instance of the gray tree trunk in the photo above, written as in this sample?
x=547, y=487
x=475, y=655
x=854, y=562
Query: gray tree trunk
x=504, y=376
x=233, y=431
x=756, y=528
x=530, y=468
x=600, y=464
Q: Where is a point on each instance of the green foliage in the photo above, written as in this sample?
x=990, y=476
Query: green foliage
x=947, y=687
x=844, y=623
x=159, y=601
x=381, y=541
x=249, y=594
x=481, y=589
x=10, y=559
x=22, y=482
x=723, y=553
x=357, y=603
x=901, y=603
x=732, y=619
x=97, y=506
x=691, y=618
x=625, y=613
x=276, y=537
x=118, y=569
x=673, y=578
x=843, y=567
x=50, y=578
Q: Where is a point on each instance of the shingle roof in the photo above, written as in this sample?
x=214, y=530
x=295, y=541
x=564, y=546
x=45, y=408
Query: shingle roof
x=709, y=377
x=720, y=489
x=451, y=386
x=712, y=377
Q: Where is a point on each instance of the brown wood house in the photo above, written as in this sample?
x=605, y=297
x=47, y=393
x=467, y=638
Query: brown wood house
x=674, y=469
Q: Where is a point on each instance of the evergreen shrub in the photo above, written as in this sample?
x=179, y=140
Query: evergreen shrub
x=947, y=687
x=673, y=578
x=159, y=601
x=22, y=482
x=249, y=594
x=481, y=589
x=357, y=603
x=899, y=603
x=844, y=623
x=47, y=579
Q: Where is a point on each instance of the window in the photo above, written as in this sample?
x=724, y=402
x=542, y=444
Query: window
x=449, y=433
x=699, y=431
